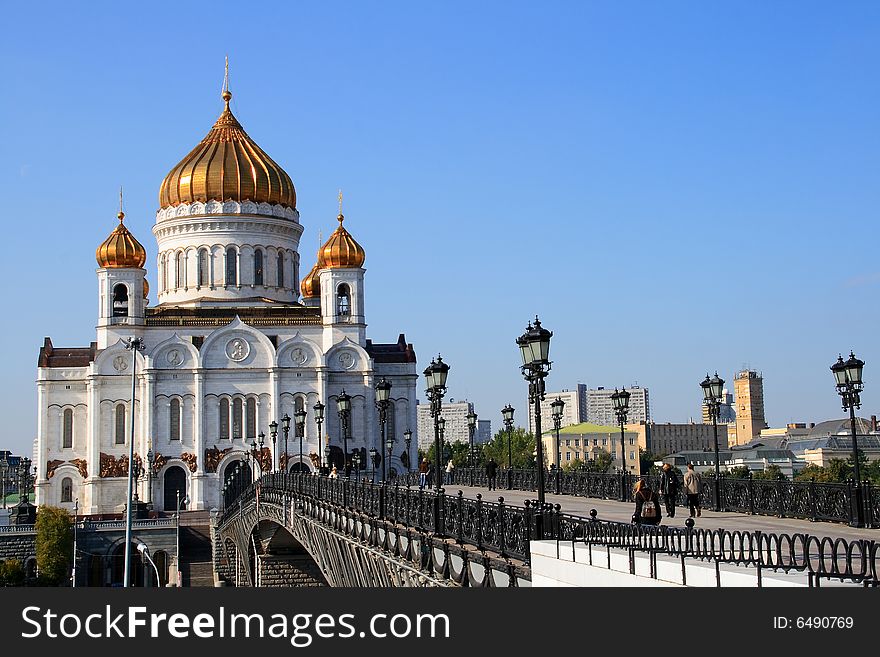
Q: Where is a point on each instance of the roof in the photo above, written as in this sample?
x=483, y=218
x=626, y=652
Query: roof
x=396, y=352
x=588, y=428
x=52, y=356
x=265, y=315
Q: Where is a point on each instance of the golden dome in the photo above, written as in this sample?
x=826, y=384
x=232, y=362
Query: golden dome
x=146, y=288
x=227, y=165
x=121, y=249
x=341, y=251
x=310, y=286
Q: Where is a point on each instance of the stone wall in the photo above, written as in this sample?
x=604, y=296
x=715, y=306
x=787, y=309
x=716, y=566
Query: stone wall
x=18, y=545
x=293, y=570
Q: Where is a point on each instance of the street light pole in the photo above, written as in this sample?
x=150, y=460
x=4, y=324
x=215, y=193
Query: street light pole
x=435, y=378
x=848, y=375
x=407, y=438
x=374, y=460
x=4, y=470
x=712, y=391
x=73, y=569
x=300, y=420
x=343, y=408
x=383, y=393
x=135, y=344
x=507, y=414
x=620, y=402
x=534, y=347
x=472, y=426
x=557, y=407
x=285, y=426
x=319, y=420
x=273, y=433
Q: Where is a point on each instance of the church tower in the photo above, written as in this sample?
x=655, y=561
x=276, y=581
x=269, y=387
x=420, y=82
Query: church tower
x=122, y=286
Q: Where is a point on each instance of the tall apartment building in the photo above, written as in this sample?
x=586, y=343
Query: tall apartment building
x=726, y=413
x=456, y=429
x=574, y=411
x=600, y=409
x=748, y=386
x=483, y=433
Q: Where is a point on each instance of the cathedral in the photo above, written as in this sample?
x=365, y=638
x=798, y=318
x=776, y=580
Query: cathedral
x=234, y=346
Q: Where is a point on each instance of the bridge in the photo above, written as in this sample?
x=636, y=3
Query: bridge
x=301, y=529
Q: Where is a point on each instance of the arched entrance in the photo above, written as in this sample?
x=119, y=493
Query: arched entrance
x=174, y=482
x=299, y=466
x=117, y=566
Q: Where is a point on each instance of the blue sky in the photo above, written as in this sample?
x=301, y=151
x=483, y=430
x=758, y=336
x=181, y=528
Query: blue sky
x=673, y=187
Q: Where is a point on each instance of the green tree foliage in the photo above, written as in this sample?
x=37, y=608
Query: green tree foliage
x=574, y=466
x=646, y=462
x=11, y=573
x=522, y=446
x=54, y=543
x=841, y=470
x=739, y=472
x=771, y=473
x=602, y=462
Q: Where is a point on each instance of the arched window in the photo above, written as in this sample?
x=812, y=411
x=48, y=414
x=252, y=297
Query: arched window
x=236, y=419
x=224, y=419
x=231, y=267
x=258, y=267
x=67, y=489
x=251, y=413
x=280, y=269
x=120, y=300
x=162, y=273
x=120, y=424
x=178, y=268
x=67, y=428
x=343, y=301
x=203, y=267
x=174, y=420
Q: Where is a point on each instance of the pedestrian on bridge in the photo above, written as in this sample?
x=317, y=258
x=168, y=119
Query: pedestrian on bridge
x=449, y=468
x=423, y=473
x=669, y=486
x=491, y=472
x=692, y=487
x=647, y=504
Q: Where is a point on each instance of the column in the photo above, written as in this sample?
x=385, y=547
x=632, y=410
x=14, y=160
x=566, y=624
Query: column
x=92, y=483
x=198, y=497
x=41, y=484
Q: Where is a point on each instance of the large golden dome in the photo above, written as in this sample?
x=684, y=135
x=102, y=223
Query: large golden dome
x=311, y=284
x=227, y=165
x=121, y=250
x=341, y=251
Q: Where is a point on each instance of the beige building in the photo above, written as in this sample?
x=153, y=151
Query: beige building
x=671, y=438
x=585, y=441
x=748, y=386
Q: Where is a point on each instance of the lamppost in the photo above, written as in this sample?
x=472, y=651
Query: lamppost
x=319, y=420
x=472, y=426
x=151, y=463
x=256, y=454
x=300, y=420
x=386, y=465
x=534, y=346
x=343, y=408
x=848, y=375
x=357, y=465
x=374, y=459
x=75, y=520
x=285, y=427
x=4, y=470
x=383, y=392
x=712, y=390
x=273, y=433
x=441, y=424
x=435, y=378
x=620, y=403
x=137, y=471
x=556, y=414
x=407, y=439
x=185, y=500
x=136, y=345
x=507, y=414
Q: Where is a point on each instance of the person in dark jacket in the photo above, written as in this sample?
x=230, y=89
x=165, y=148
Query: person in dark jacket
x=491, y=473
x=647, y=504
x=669, y=486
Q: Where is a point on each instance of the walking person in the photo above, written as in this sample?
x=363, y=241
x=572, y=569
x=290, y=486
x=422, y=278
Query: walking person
x=647, y=504
x=450, y=466
x=693, y=485
x=423, y=473
x=491, y=472
x=669, y=486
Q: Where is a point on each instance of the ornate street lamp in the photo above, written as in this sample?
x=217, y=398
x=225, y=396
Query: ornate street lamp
x=620, y=403
x=383, y=393
x=472, y=427
x=374, y=459
x=319, y=420
x=534, y=346
x=407, y=439
x=386, y=467
x=507, y=414
x=435, y=379
x=285, y=427
x=357, y=465
x=300, y=421
x=256, y=454
x=135, y=345
x=273, y=432
x=848, y=377
x=441, y=425
x=712, y=391
x=4, y=470
x=556, y=414
x=343, y=408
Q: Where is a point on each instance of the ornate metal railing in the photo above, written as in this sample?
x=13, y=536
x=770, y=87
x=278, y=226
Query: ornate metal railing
x=833, y=502
x=507, y=530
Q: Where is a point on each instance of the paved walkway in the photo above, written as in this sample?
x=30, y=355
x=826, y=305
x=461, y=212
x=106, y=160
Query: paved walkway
x=622, y=512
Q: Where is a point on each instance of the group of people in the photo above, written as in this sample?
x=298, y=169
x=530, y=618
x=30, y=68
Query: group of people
x=648, y=501
x=426, y=472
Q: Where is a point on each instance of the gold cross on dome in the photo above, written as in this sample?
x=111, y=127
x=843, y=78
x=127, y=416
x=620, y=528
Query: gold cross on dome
x=340, y=201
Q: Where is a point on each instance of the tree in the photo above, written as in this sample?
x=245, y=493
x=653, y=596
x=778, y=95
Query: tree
x=522, y=444
x=739, y=472
x=11, y=573
x=771, y=473
x=602, y=462
x=646, y=462
x=54, y=543
x=573, y=466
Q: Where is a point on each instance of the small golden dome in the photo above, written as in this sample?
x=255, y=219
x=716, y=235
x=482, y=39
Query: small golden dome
x=227, y=165
x=341, y=251
x=121, y=250
x=311, y=284
x=146, y=288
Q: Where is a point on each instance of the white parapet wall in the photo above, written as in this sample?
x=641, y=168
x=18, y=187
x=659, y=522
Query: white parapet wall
x=577, y=564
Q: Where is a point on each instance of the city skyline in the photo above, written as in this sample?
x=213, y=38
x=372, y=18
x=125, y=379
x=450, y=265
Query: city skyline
x=653, y=149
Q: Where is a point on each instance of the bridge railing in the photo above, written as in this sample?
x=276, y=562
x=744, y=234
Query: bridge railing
x=835, y=502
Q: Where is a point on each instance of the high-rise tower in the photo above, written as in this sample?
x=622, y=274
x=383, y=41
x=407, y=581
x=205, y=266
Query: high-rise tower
x=748, y=386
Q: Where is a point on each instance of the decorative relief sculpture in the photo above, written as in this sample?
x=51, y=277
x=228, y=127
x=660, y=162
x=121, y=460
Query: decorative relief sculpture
x=264, y=458
x=237, y=349
x=213, y=456
x=81, y=465
x=315, y=459
x=298, y=355
x=174, y=357
x=51, y=466
x=120, y=363
x=112, y=466
x=346, y=360
x=190, y=460
x=159, y=462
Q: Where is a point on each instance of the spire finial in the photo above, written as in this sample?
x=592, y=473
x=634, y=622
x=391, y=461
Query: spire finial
x=226, y=95
x=121, y=214
x=340, y=206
